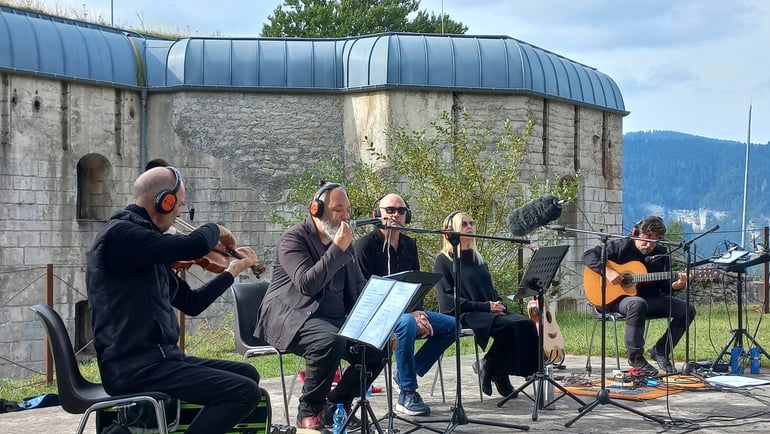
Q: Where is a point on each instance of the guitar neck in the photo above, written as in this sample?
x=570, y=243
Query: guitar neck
x=652, y=277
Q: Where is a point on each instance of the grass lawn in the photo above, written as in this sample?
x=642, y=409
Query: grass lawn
x=708, y=335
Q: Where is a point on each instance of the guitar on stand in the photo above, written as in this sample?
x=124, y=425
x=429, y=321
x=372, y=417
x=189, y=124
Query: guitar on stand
x=633, y=272
x=553, y=341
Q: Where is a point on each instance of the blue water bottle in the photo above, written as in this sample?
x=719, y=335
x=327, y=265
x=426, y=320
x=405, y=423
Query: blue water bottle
x=339, y=419
x=737, y=359
x=754, y=365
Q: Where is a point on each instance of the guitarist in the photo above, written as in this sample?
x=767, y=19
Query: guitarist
x=652, y=299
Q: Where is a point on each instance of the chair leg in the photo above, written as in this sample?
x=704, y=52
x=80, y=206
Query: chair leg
x=591, y=345
x=617, y=348
x=438, y=376
x=283, y=389
x=294, y=378
x=478, y=375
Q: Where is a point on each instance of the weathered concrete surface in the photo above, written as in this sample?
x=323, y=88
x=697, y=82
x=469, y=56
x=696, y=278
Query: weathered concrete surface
x=683, y=411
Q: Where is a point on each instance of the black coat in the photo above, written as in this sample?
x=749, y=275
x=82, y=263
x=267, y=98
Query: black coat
x=132, y=291
x=302, y=268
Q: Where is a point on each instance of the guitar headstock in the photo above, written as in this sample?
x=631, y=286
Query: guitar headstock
x=705, y=273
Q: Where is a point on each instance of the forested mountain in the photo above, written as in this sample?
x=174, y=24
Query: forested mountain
x=697, y=181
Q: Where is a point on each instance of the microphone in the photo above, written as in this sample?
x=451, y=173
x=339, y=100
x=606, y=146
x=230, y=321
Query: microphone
x=356, y=223
x=654, y=258
x=534, y=214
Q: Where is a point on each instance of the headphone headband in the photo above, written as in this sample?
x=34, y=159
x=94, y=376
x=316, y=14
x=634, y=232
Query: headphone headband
x=317, y=205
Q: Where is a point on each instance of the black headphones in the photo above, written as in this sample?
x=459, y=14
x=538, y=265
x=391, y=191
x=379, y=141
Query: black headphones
x=448, y=221
x=317, y=205
x=378, y=215
x=165, y=200
x=645, y=222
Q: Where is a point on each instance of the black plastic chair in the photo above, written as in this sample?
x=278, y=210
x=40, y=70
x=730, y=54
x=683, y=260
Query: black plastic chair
x=247, y=297
x=78, y=395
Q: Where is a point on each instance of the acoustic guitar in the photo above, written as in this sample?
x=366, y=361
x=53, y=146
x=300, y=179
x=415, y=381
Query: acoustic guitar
x=553, y=341
x=633, y=272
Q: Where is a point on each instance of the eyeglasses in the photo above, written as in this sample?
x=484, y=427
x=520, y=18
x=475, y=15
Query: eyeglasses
x=393, y=209
x=469, y=223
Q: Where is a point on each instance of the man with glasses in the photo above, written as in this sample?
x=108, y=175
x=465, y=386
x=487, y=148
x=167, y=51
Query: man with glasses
x=386, y=250
x=652, y=300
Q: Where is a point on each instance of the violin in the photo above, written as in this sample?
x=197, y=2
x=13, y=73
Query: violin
x=216, y=261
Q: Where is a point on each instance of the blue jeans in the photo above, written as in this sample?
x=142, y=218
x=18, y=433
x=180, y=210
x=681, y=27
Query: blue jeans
x=410, y=365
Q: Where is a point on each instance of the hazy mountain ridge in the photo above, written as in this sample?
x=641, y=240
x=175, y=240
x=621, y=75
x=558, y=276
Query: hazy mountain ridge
x=697, y=181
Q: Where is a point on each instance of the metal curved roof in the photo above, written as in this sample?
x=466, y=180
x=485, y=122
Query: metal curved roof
x=42, y=44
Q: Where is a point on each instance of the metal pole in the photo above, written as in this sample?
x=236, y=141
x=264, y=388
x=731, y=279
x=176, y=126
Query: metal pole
x=746, y=183
x=112, y=13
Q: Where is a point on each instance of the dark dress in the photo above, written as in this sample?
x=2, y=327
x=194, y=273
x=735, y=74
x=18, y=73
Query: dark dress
x=514, y=348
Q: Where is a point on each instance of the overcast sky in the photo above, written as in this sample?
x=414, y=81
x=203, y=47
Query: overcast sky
x=693, y=66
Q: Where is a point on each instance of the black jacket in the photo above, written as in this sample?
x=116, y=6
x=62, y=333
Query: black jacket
x=302, y=269
x=132, y=289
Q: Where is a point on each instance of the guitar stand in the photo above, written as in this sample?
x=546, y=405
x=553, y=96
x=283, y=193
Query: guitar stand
x=540, y=272
x=363, y=403
x=603, y=395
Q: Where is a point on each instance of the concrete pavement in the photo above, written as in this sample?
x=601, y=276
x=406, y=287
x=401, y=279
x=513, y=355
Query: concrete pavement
x=708, y=410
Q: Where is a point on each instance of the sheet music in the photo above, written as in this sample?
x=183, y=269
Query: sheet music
x=377, y=310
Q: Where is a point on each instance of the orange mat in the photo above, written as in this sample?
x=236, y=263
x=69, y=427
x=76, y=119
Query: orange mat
x=666, y=386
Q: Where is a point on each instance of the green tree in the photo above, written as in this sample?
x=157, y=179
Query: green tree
x=341, y=18
x=453, y=168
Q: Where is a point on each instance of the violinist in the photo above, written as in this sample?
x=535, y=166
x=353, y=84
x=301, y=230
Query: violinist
x=132, y=291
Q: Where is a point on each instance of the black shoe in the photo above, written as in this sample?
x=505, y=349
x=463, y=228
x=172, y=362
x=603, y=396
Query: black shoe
x=642, y=365
x=354, y=423
x=662, y=360
x=503, y=385
x=486, y=377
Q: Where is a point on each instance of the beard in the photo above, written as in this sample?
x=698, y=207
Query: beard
x=646, y=250
x=329, y=228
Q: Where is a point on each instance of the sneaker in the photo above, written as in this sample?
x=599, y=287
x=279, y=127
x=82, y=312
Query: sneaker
x=643, y=365
x=354, y=423
x=411, y=403
x=662, y=360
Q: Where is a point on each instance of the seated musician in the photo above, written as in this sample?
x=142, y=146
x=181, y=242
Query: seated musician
x=132, y=293
x=652, y=299
x=315, y=284
x=514, y=350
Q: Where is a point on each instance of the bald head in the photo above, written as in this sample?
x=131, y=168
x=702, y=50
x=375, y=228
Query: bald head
x=149, y=183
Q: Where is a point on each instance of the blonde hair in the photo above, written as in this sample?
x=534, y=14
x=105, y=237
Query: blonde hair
x=453, y=222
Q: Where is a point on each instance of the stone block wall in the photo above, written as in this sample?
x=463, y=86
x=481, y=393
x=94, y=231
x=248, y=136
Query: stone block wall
x=237, y=152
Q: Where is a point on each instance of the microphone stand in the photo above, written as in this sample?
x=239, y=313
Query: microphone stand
x=459, y=417
x=603, y=395
x=689, y=366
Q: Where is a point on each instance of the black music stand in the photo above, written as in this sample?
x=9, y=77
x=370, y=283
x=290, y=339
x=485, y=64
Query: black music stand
x=426, y=281
x=370, y=323
x=738, y=262
x=538, y=277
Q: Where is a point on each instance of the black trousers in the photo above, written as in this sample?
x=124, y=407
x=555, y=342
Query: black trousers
x=227, y=390
x=514, y=350
x=320, y=346
x=637, y=310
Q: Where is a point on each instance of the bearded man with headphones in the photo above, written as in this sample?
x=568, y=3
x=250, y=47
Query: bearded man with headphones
x=132, y=294
x=652, y=300
x=316, y=283
x=386, y=250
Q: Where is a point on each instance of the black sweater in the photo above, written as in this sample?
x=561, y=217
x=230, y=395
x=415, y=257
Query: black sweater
x=623, y=250
x=132, y=291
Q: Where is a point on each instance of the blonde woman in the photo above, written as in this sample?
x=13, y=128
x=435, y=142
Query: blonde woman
x=514, y=346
